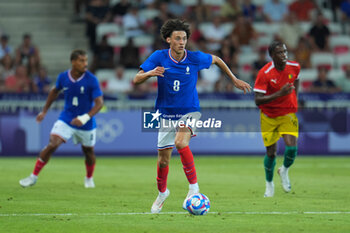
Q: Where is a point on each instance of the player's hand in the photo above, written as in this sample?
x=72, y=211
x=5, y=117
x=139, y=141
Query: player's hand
x=287, y=89
x=158, y=71
x=76, y=122
x=40, y=116
x=240, y=84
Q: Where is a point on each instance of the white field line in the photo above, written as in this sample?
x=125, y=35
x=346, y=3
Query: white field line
x=169, y=213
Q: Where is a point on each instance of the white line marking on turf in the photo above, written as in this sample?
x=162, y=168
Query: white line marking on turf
x=165, y=213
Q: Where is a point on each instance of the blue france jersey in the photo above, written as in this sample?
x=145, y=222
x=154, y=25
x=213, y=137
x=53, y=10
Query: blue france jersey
x=177, y=93
x=79, y=97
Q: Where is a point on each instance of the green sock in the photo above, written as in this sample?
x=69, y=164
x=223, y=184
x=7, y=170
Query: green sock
x=269, y=164
x=289, y=155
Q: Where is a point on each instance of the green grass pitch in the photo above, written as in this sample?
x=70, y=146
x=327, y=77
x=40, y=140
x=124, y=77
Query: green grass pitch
x=126, y=188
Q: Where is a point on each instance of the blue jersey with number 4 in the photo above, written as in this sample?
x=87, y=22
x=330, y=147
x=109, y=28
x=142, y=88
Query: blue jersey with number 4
x=177, y=93
x=79, y=97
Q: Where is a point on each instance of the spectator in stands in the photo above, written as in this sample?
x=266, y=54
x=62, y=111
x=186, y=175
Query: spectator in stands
x=119, y=10
x=4, y=47
x=103, y=56
x=290, y=32
x=223, y=85
x=130, y=55
x=200, y=12
x=302, y=9
x=344, y=81
x=259, y=63
x=214, y=34
x=97, y=12
x=323, y=85
x=208, y=79
x=319, y=35
x=227, y=51
x=345, y=18
x=249, y=10
x=6, y=68
x=196, y=35
x=274, y=11
x=230, y=10
x=27, y=54
x=176, y=8
x=140, y=91
x=79, y=7
x=159, y=20
x=245, y=33
x=335, y=6
x=19, y=82
x=303, y=53
x=118, y=84
x=133, y=23
x=42, y=81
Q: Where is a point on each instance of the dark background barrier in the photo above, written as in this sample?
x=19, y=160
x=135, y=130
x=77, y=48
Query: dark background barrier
x=324, y=127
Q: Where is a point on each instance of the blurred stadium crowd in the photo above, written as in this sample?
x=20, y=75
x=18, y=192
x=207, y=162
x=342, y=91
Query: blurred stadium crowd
x=123, y=33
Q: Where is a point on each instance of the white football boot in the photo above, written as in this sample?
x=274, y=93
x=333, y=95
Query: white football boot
x=158, y=203
x=193, y=189
x=28, y=181
x=283, y=172
x=89, y=183
x=270, y=189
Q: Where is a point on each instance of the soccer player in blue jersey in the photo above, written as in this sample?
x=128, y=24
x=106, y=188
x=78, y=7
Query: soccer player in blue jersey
x=177, y=71
x=83, y=99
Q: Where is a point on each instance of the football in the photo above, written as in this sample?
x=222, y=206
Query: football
x=198, y=204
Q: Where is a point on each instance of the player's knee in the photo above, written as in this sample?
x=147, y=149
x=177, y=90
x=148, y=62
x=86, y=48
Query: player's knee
x=180, y=144
x=163, y=163
x=53, y=145
x=272, y=156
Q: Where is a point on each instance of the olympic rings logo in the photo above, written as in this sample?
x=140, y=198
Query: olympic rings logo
x=109, y=129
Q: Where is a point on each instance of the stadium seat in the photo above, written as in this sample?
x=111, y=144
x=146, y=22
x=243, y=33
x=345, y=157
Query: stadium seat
x=335, y=74
x=259, y=2
x=189, y=2
x=214, y=2
x=117, y=41
x=144, y=40
x=335, y=28
x=149, y=14
x=129, y=74
x=104, y=75
x=343, y=60
x=268, y=29
x=340, y=44
x=323, y=60
x=113, y=2
x=306, y=77
x=203, y=27
x=110, y=29
x=263, y=42
x=305, y=26
x=246, y=60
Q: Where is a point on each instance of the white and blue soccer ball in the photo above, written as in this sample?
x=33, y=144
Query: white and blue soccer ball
x=198, y=204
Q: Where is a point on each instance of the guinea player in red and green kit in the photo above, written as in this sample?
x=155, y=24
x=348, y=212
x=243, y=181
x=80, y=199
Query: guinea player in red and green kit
x=276, y=89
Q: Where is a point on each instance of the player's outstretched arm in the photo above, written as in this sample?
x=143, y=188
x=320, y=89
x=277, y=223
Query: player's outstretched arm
x=53, y=94
x=142, y=76
x=240, y=84
x=81, y=120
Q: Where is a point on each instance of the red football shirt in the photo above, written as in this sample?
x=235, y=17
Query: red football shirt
x=271, y=80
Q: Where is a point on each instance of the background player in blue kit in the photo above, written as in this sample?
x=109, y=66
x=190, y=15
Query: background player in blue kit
x=83, y=99
x=177, y=72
